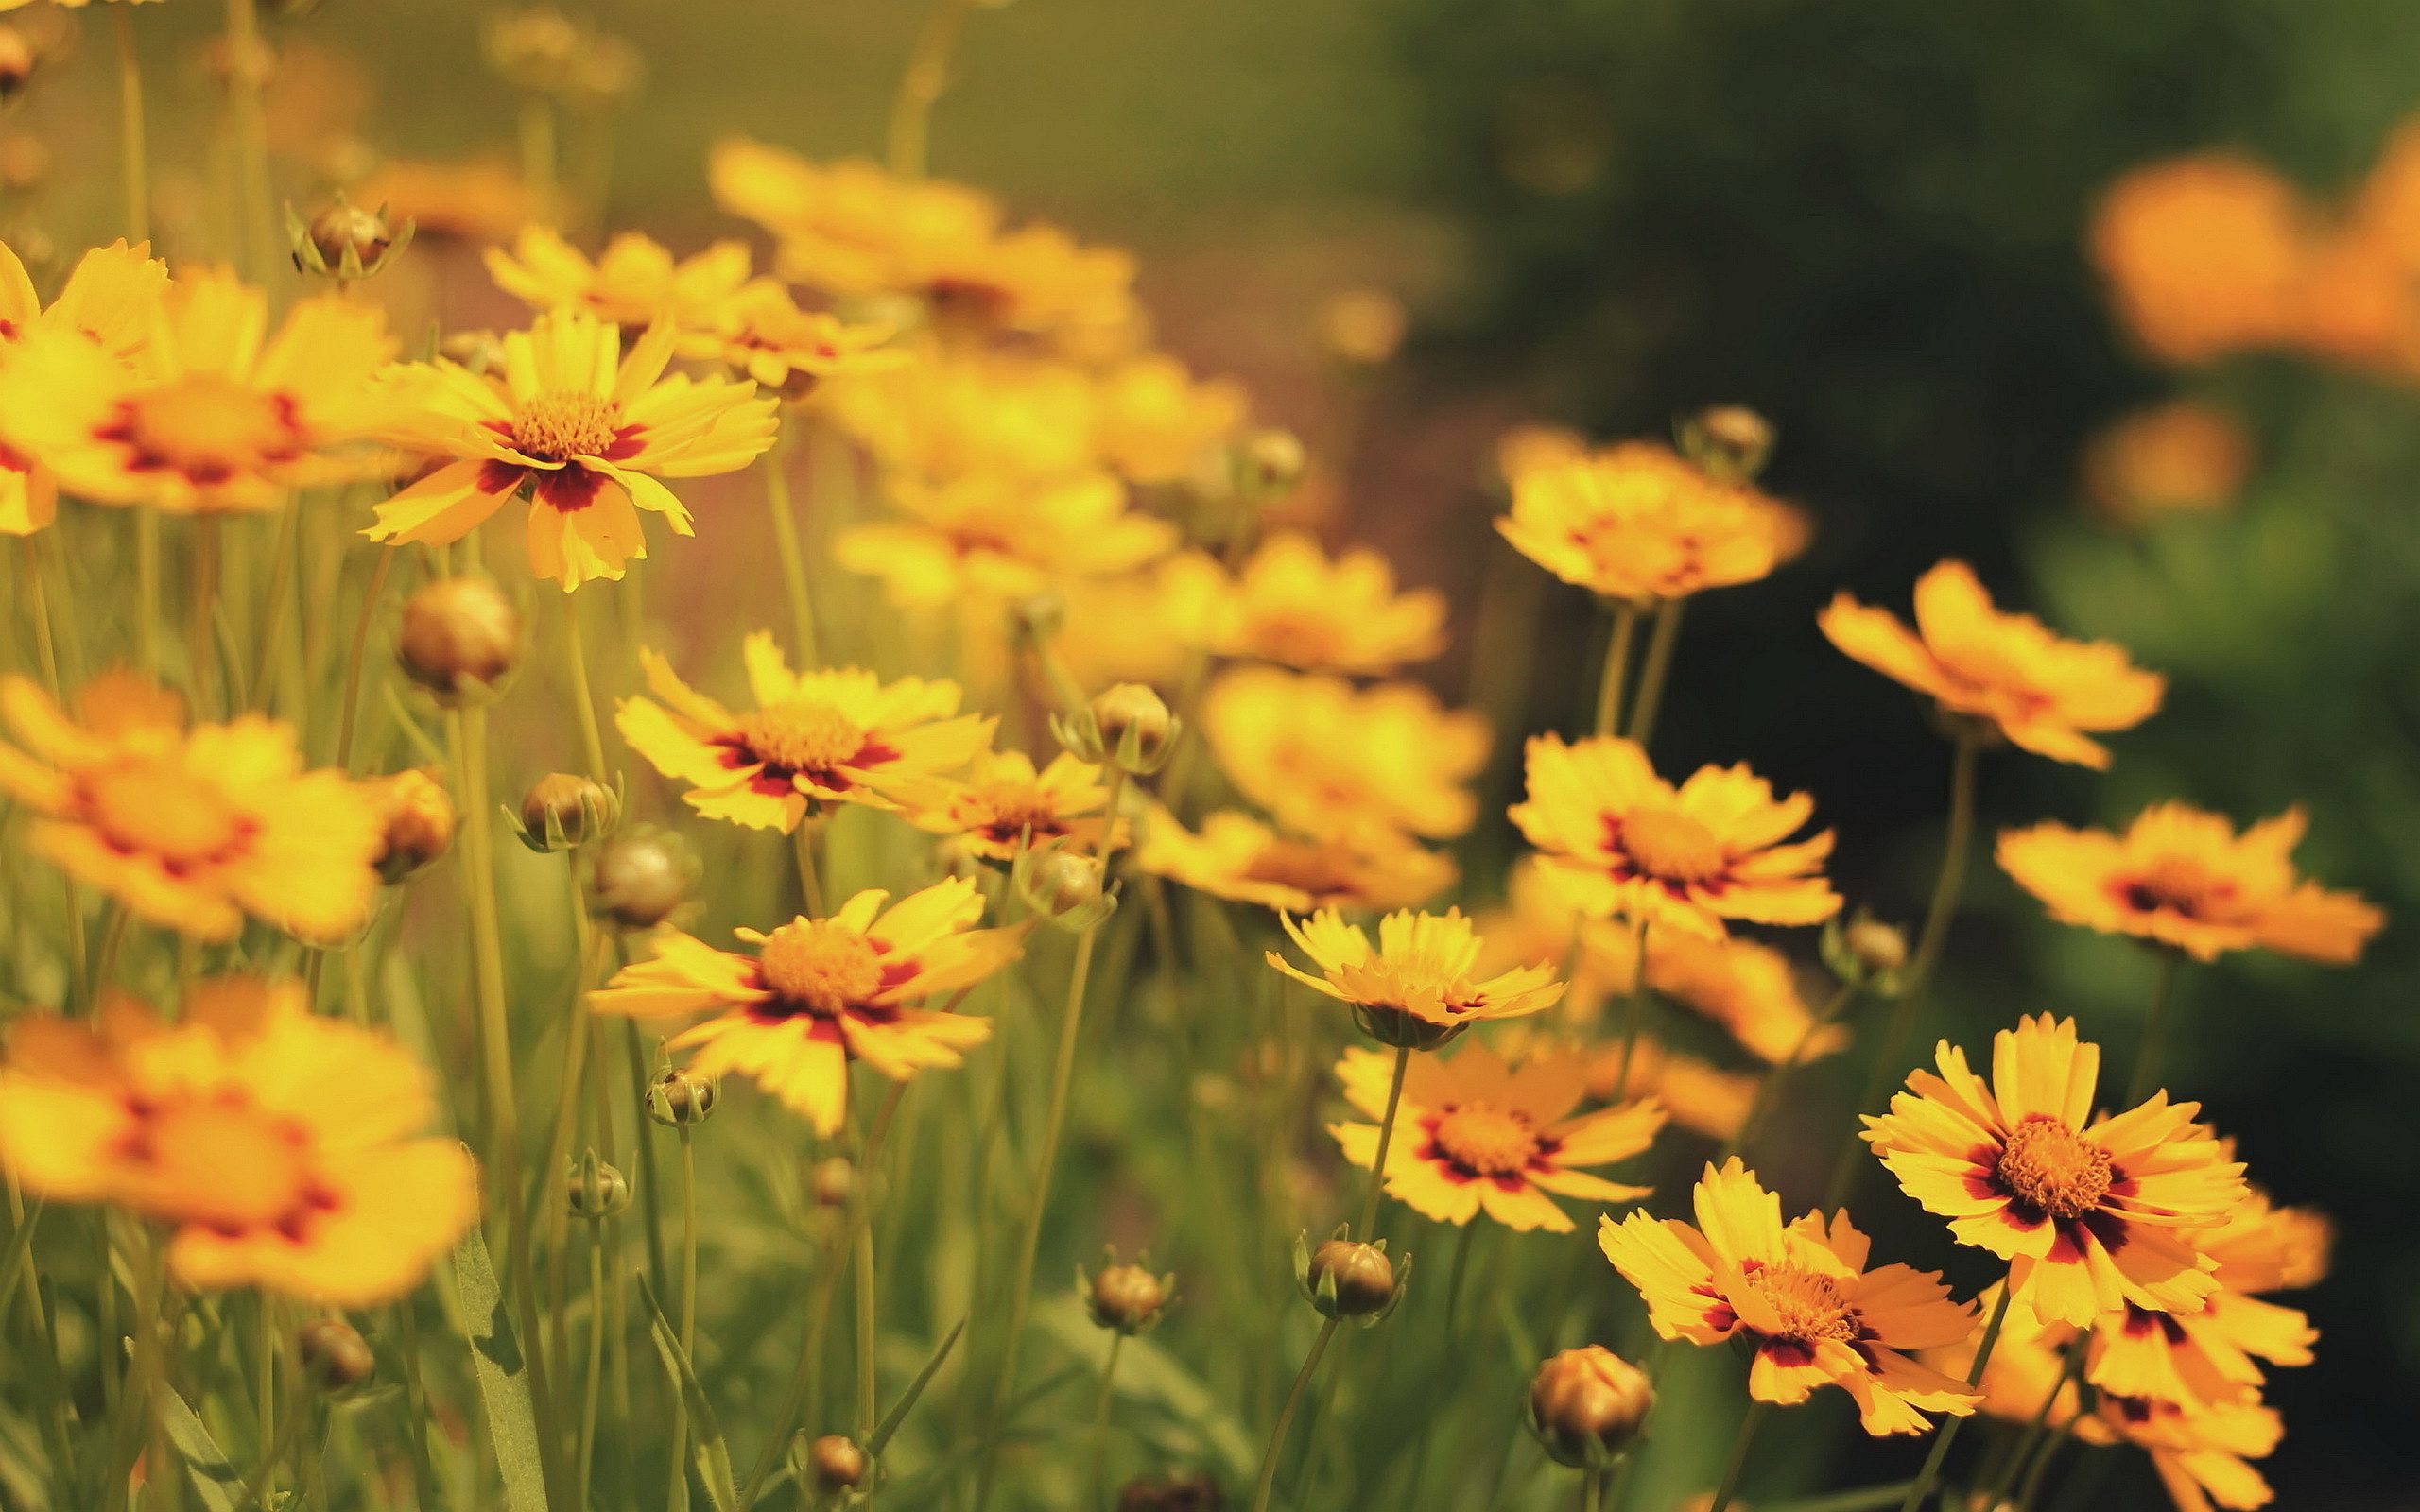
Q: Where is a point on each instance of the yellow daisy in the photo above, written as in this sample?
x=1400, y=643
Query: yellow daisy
x=633, y=282
x=993, y=538
x=111, y=297
x=759, y=332
x=2213, y=1356
x=1155, y=421
x=1236, y=857
x=1418, y=987
x=1294, y=605
x=1638, y=522
x=1327, y=759
x=850, y=227
x=817, y=994
x=814, y=738
x=191, y=828
x=1003, y=806
x=587, y=435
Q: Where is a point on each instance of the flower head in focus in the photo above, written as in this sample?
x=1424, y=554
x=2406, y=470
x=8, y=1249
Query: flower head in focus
x=1640, y=523
x=633, y=283
x=279, y=1148
x=1418, y=986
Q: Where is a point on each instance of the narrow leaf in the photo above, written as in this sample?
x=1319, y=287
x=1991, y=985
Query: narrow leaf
x=215, y=1480
x=20, y=1244
x=707, y=1449
x=503, y=1376
x=898, y=1414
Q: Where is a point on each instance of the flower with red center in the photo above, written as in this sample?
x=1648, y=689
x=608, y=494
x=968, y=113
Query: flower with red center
x=633, y=282
x=2091, y=1213
x=111, y=299
x=1475, y=1135
x=2185, y=878
x=759, y=332
x=190, y=827
x=993, y=537
x=2008, y=672
x=212, y=414
x=814, y=738
x=1003, y=806
x=278, y=1148
x=1327, y=759
x=1236, y=856
x=1800, y=1295
x=589, y=433
x=1640, y=523
x=1624, y=841
x=1418, y=987
x=1291, y=604
x=820, y=993
x=2213, y=1356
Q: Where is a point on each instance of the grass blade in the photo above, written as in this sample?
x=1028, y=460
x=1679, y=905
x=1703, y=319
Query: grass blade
x=709, y=1453
x=503, y=1377
x=898, y=1414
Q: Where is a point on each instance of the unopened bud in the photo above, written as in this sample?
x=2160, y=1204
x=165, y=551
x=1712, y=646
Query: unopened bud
x=1879, y=946
x=835, y=1464
x=345, y=242
x=1344, y=1278
x=1178, y=1492
x=1041, y=615
x=334, y=1356
x=1588, y=1404
x=417, y=817
x=833, y=1181
x=17, y=61
x=594, y=1190
x=607, y=70
x=562, y=810
x=1731, y=441
x=1063, y=887
x=1865, y=952
x=639, y=877
x=537, y=49
x=1126, y=1298
x=460, y=636
x=1270, y=463
x=1126, y=725
x=681, y=1099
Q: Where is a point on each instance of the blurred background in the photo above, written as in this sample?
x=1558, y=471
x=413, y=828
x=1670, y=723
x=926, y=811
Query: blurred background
x=1870, y=219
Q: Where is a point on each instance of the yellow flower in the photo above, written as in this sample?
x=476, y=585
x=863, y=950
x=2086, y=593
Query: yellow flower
x=1418, y=987
x=820, y=993
x=1156, y=421
x=2185, y=878
x=993, y=537
x=633, y=282
x=208, y=415
x=1475, y=1135
x=760, y=331
x=1638, y=522
x=2212, y=1357
x=2091, y=1213
x=112, y=297
x=1237, y=857
x=1003, y=806
x=1119, y=630
x=1293, y=605
x=1329, y=760
x=190, y=828
x=2008, y=671
x=2203, y=255
x=1529, y=449
x=1689, y=858
x=1800, y=1295
x=1034, y=280
x=949, y=415
x=1708, y=1102
x=2175, y=459
x=815, y=738
x=588, y=437
x=847, y=228
x=278, y=1147
x=479, y=200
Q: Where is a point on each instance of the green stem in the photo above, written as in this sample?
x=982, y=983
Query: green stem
x=1635, y=1007
x=921, y=85
x=1462, y=1237
x=1769, y=1087
x=679, y=1495
x=284, y=548
x=1946, y=1434
x=1609, y=681
x=785, y=546
x=1738, y=1467
x=1097, y=1481
x=200, y=652
x=348, y=717
x=807, y=843
x=147, y=573
x=135, y=160
x=1653, y=670
x=1268, y=1481
x=592, y=743
x=2071, y=1365
x=865, y=1277
x=1592, y=1490
x=1367, y=1228
x=2155, y=1024
x=592, y=1390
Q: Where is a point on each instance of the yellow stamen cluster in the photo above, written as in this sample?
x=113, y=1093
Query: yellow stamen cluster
x=556, y=427
x=1490, y=1140
x=805, y=736
x=2052, y=1167
x=819, y=968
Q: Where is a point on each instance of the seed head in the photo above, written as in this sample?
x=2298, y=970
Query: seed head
x=461, y=637
x=1587, y=1404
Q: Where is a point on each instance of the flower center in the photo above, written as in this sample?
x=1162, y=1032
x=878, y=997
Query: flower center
x=1015, y=809
x=1316, y=869
x=222, y=1162
x=209, y=428
x=1297, y=637
x=1490, y=1140
x=2053, y=1169
x=2172, y=883
x=820, y=967
x=1671, y=846
x=803, y=736
x=559, y=427
x=1810, y=1303
x=160, y=809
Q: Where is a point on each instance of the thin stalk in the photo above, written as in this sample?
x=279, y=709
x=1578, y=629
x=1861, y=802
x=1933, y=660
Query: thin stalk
x=921, y=85
x=866, y=1280
x=348, y=717
x=1462, y=1238
x=1609, y=682
x=2155, y=1024
x=1946, y=1434
x=1769, y=1088
x=1063, y=1076
x=592, y=742
x=134, y=153
x=1653, y=671
x=806, y=844
x=1633, y=1006
x=147, y=573
x=252, y=132
x=416, y=1404
x=642, y=1135
x=201, y=651
x=1368, y=1227
x=1268, y=1481
x=1592, y=1490
x=2070, y=1367
x=785, y=546
x=1740, y=1449
x=591, y=1388
x=538, y=157
x=1096, y=1482
x=679, y=1495
x=283, y=551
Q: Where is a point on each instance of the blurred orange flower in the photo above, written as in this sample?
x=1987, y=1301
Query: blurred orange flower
x=2174, y=459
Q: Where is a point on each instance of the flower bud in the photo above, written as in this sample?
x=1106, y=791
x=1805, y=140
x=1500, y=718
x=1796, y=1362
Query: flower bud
x=1731, y=441
x=246, y=67
x=1588, y=1404
x=460, y=636
x=1865, y=952
x=833, y=1181
x=1063, y=887
x=17, y=61
x=1174, y=1492
x=537, y=49
x=345, y=242
x=1269, y=464
x=1040, y=615
x=334, y=1356
x=417, y=817
x=1128, y=726
x=595, y=1190
x=681, y=1099
x=607, y=71
x=1344, y=1278
x=638, y=878
x=24, y=162
x=562, y=810
x=835, y=1464
x=1125, y=1298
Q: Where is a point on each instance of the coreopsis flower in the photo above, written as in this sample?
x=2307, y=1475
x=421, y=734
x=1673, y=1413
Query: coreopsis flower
x=1294, y=605
x=1418, y=987
x=814, y=738
x=209, y=414
x=1689, y=858
x=111, y=297
x=952, y=415
x=1640, y=523
x=2009, y=672
x=1801, y=1296
x=590, y=438
x=1155, y=420
x=2213, y=1356
x=818, y=993
x=1529, y=448
x=2185, y=878
x=998, y=538
x=2091, y=1213
x=191, y=827
x=1327, y=759
x=634, y=281
x=278, y=1148
x=2202, y=255
x=1034, y=280
x=759, y=331
x=1480, y=1136
x=850, y=227
x=1003, y=806
x=2175, y=459
x=1236, y=857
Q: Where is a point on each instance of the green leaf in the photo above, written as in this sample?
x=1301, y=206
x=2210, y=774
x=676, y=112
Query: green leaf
x=215, y=1480
x=20, y=1244
x=907, y=1402
x=707, y=1449
x=1147, y=1372
x=503, y=1376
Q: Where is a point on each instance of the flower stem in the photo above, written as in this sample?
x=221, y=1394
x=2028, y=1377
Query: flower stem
x=865, y=1277
x=2070, y=1367
x=806, y=847
x=1096, y=1482
x=1739, y=1448
x=1653, y=670
x=201, y=657
x=922, y=84
x=1367, y=1228
x=1769, y=1088
x=2155, y=1024
x=1948, y=1432
x=1269, y=1458
x=592, y=743
x=135, y=152
x=349, y=718
x=679, y=1495
x=251, y=131
x=1634, y=1008
x=1609, y=682
x=785, y=546
x=146, y=574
